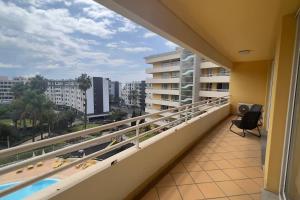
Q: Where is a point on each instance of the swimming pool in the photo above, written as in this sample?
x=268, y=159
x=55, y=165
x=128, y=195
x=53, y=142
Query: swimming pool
x=27, y=191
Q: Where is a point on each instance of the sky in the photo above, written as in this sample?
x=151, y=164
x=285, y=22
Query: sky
x=61, y=39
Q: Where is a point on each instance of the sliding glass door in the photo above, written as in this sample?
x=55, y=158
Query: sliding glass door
x=290, y=185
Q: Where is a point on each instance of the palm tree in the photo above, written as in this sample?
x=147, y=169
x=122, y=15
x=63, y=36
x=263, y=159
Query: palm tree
x=84, y=83
x=133, y=97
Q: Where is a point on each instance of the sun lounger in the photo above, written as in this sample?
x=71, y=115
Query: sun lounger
x=19, y=171
x=39, y=164
x=58, y=163
x=30, y=167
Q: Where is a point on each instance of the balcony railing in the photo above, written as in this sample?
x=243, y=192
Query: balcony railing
x=215, y=74
x=185, y=113
x=214, y=90
x=151, y=88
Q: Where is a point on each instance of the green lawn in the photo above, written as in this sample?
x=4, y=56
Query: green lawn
x=6, y=122
x=9, y=122
x=81, y=127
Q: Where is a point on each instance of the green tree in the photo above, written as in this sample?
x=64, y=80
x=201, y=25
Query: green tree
x=6, y=132
x=19, y=89
x=84, y=82
x=38, y=84
x=118, y=115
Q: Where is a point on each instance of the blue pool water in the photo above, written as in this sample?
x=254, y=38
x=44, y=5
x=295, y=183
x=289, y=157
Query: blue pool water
x=27, y=191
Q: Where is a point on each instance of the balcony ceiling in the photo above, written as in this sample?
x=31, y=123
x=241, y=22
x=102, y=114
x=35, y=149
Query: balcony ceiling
x=234, y=25
x=215, y=29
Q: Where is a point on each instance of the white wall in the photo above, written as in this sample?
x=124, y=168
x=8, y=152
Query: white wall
x=105, y=95
x=90, y=99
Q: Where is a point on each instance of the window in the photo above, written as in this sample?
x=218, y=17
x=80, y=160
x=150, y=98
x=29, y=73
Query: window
x=164, y=86
x=175, y=98
x=165, y=97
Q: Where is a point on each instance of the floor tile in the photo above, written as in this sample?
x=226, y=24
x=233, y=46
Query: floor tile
x=252, y=172
x=190, y=192
x=230, y=188
x=192, y=167
x=218, y=175
x=255, y=196
x=200, y=177
x=259, y=181
x=178, y=168
x=248, y=185
x=209, y=165
x=202, y=158
x=182, y=178
x=223, y=164
x=234, y=174
x=167, y=180
x=169, y=193
x=210, y=190
x=151, y=195
x=241, y=197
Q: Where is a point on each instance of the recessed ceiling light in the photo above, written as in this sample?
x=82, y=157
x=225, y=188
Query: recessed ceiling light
x=245, y=51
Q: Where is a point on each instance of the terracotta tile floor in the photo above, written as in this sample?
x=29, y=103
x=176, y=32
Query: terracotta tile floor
x=222, y=166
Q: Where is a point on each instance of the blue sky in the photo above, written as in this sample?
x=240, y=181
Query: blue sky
x=64, y=38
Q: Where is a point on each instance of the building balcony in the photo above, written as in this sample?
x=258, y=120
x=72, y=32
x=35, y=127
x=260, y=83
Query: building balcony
x=150, y=154
x=170, y=91
x=162, y=80
x=215, y=79
x=166, y=114
x=166, y=102
x=207, y=92
x=152, y=70
x=208, y=64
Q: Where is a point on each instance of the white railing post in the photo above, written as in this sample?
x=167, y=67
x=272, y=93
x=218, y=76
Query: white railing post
x=186, y=113
x=137, y=131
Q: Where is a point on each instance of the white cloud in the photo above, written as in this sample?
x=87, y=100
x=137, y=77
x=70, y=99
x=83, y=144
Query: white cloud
x=137, y=49
x=112, y=45
x=8, y=66
x=128, y=26
x=149, y=35
x=171, y=45
x=98, y=12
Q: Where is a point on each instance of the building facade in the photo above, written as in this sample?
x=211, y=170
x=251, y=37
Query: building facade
x=115, y=88
x=181, y=77
x=6, y=96
x=134, y=94
x=67, y=93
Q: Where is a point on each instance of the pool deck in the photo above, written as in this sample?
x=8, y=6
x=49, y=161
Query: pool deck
x=30, y=173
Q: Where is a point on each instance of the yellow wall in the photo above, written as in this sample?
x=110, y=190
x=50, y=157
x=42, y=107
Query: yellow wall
x=279, y=103
x=248, y=83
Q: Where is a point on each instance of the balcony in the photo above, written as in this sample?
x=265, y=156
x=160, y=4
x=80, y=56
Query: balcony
x=162, y=80
x=170, y=91
x=76, y=183
x=208, y=65
x=208, y=92
x=221, y=165
x=215, y=78
x=152, y=70
x=166, y=102
x=166, y=114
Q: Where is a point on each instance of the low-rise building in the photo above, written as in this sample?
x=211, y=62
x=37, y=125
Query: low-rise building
x=133, y=94
x=6, y=95
x=67, y=93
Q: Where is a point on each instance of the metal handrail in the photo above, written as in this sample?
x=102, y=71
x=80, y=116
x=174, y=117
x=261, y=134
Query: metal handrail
x=186, y=111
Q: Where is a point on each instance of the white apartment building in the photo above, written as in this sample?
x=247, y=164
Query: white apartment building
x=127, y=90
x=6, y=96
x=67, y=93
x=181, y=77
